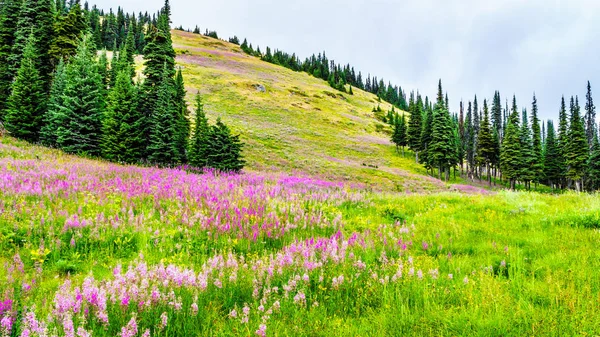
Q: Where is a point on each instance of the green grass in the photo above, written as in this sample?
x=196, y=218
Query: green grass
x=300, y=124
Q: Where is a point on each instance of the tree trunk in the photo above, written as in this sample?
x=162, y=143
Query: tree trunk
x=417, y=157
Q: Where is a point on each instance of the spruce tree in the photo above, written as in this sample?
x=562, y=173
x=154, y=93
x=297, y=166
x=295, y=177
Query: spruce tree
x=538, y=164
x=181, y=118
x=590, y=116
x=440, y=149
x=577, y=147
x=486, y=149
x=37, y=17
x=528, y=158
x=415, y=126
x=162, y=146
x=426, y=133
x=9, y=17
x=122, y=132
x=497, y=114
x=510, y=157
x=53, y=117
x=83, y=103
x=67, y=32
x=27, y=102
x=470, y=139
x=399, y=135
x=563, y=140
x=593, y=169
x=552, y=164
x=198, y=144
x=224, y=149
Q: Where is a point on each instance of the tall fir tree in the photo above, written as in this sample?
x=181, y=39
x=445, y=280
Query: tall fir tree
x=9, y=18
x=538, y=164
x=593, y=165
x=563, y=140
x=198, y=156
x=415, y=125
x=37, y=17
x=224, y=150
x=83, y=102
x=470, y=139
x=182, y=134
x=486, y=149
x=590, y=116
x=54, y=117
x=399, y=137
x=510, y=157
x=527, y=173
x=577, y=147
x=552, y=165
x=440, y=149
x=497, y=114
x=162, y=147
x=426, y=134
x=68, y=30
x=27, y=102
x=122, y=133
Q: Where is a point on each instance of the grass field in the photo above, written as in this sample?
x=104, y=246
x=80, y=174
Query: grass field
x=299, y=124
x=95, y=248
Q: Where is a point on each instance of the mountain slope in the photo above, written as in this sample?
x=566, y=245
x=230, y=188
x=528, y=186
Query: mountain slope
x=299, y=123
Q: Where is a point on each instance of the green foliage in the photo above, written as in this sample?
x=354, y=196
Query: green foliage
x=54, y=116
x=593, y=165
x=182, y=131
x=27, y=102
x=399, y=136
x=198, y=144
x=577, y=147
x=9, y=17
x=440, y=151
x=510, y=158
x=83, y=103
x=552, y=162
x=415, y=123
x=538, y=162
x=486, y=146
x=122, y=132
x=528, y=158
x=162, y=146
x=223, y=150
x=68, y=30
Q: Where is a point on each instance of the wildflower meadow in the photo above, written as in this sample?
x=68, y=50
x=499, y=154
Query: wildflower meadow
x=97, y=249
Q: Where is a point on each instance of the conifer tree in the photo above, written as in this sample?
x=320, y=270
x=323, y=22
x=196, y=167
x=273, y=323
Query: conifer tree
x=27, y=102
x=67, y=32
x=538, y=163
x=415, y=126
x=552, y=165
x=510, y=157
x=122, y=132
x=224, y=149
x=426, y=134
x=9, y=17
x=590, y=116
x=486, y=148
x=182, y=134
x=441, y=150
x=53, y=117
x=577, y=148
x=497, y=114
x=162, y=146
x=593, y=165
x=528, y=158
x=563, y=140
x=470, y=139
x=399, y=136
x=37, y=17
x=83, y=103
x=199, y=143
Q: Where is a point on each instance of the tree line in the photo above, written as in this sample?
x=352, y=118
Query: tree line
x=61, y=92
x=499, y=143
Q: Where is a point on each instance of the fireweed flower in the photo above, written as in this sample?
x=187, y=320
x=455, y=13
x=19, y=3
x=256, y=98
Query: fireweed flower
x=163, y=321
x=262, y=330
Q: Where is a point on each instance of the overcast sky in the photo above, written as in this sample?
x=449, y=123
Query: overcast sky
x=550, y=47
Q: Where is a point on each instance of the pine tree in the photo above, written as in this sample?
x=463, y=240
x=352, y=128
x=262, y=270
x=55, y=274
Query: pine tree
x=224, y=149
x=415, y=126
x=528, y=158
x=9, y=17
x=182, y=134
x=83, y=103
x=37, y=17
x=577, y=147
x=538, y=163
x=590, y=116
x=486, y=149
x=67, y=32
x=162, y=147
x=510, y=157
x=122, y=132
x=399, y=136
x=54, y=118
x=440, y=150
x=199, y=143
x=593, y=165
x=27, y=102
x=552, y=164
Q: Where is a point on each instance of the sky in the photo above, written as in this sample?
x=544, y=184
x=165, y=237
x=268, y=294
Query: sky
x=547, y=47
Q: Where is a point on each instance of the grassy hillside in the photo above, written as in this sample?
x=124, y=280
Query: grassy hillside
x=299, y=123
x=113, y=250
